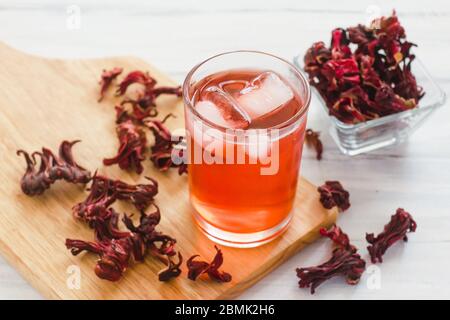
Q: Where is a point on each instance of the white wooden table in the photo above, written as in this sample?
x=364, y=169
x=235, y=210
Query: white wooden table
x=175, y=35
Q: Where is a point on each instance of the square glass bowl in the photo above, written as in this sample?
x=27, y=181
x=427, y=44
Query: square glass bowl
x=353, y=139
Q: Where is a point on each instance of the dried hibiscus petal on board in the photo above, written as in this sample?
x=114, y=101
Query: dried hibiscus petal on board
x=104, y=191
x=345, y=261
x=159, y=244
x=107, y=78
x=156, y=243
x=51, y=169
x=400, y=224
x=108, y=226
x=312, y=139
x=172, y=270
x=115, y=248
x=132, y=147
x=143, y=100
x=114, y=255
x=34, y=182
x=333, y=194
x=197, y=268
x=168, y=150
x=140, y=195
x=133, y=77
x=99, y=199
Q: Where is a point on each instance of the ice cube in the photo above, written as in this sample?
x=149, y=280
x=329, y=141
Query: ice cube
x=258, y=145
x=233, y=87
x=266, y=93
x=209, y=111
x=220, y=108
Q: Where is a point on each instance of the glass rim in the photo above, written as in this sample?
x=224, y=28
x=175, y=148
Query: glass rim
x=300, y=113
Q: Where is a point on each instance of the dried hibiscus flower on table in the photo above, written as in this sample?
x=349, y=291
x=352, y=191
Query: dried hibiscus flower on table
x=333, y=194
x=132, y=146
x=168, y=150
x=143, y=101
x=103, y=192
x=107, y=78
x=312, y=140
x=338, y=236
x=372, y=81
x=151, y=237
x=197, y=268
x=173, y=269
x=140, y=195
x=130, y=123
x=52, y=168
x=115, y=248
x=344, y=261
x=400, y=224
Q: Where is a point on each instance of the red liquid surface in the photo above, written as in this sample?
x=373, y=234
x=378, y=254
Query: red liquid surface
x=237, y=197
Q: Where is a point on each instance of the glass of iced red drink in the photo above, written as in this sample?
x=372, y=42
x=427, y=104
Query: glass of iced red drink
x=245, y=114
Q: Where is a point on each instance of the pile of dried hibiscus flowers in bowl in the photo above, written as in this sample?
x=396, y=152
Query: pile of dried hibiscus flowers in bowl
x=370, y=83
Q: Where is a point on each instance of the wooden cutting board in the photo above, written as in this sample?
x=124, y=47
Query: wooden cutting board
x=44, y=101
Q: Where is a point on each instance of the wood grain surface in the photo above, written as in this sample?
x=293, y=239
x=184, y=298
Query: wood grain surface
x=46, y=101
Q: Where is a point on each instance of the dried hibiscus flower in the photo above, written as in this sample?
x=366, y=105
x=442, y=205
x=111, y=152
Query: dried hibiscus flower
x=114, y=255
x=132, y=147
x=168, y=150
x=143, y=105
x=173, y=269
x=107, y=78
x=104, y=192
x=52, y=168
x=197, y=268
x=99, y=199
x=372, y=81
x=115, y=248
x=339, y=238
x=344, y=261
x=166, y=147
x=313, y=140
x=140, y=195
x=333, y=194
x=158, y=244
x=401, y=223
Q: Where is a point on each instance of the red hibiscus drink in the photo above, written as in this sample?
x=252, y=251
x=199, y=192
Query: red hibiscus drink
x=245, y=117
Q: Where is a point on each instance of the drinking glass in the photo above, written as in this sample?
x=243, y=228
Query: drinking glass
x=243, y=182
